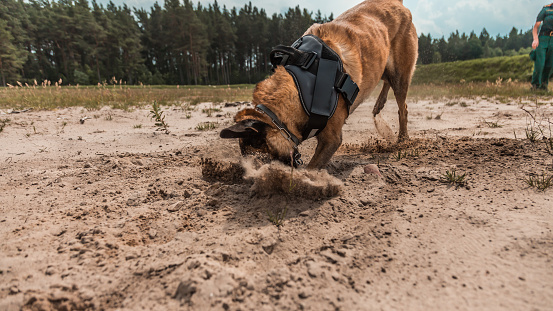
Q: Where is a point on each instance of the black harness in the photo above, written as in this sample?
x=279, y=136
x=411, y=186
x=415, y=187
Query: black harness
x=319, y=76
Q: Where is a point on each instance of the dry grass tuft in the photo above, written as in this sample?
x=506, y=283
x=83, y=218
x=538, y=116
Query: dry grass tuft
x=121, y=97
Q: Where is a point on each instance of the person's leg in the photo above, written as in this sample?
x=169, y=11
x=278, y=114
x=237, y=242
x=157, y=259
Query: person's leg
x=548, y=65
x=539, y=64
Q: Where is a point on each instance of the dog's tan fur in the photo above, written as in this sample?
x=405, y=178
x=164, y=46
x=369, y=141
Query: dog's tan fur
x=376, y=40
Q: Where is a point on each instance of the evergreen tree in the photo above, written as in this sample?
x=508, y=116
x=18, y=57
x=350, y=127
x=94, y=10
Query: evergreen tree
x=426, y=50
x=14, y=42
x=11, y=59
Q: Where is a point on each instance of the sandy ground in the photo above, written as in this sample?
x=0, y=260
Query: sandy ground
x=110, y=214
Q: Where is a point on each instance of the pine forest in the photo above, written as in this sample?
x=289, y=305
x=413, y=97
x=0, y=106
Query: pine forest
x=177, y=42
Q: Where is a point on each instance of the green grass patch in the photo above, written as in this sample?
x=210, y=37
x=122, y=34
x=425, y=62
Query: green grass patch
x=516, y=68
x=501, y=78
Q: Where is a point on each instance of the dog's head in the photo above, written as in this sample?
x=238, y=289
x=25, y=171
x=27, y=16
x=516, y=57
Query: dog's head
x=255, y=130
x=258, y=136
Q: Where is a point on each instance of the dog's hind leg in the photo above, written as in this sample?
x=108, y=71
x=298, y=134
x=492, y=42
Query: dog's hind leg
x=400, y=91
x=382, y=98
x=399, y=82
x=399, y=73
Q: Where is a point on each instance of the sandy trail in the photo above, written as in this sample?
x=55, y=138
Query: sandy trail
x=110, y=214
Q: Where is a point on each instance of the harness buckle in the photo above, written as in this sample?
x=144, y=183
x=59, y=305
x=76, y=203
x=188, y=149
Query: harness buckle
x=347, y=88
x=296, y=158
x=313, y=57
x=283, y=59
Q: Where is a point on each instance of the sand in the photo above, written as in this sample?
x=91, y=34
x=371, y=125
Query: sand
x=112, y=214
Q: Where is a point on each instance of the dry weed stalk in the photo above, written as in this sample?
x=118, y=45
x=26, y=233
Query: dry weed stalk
x=541, y=182
x=536, y=129
x=278, y=218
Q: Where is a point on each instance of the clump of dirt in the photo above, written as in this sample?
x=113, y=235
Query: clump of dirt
x=226, y=172
x=275, y=177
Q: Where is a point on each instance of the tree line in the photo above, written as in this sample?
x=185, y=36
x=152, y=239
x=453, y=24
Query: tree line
x=82, y=42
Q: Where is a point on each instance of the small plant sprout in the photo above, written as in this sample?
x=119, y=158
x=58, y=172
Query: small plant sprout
x=414, y=153
x=532, y=134
x=541, y=182
x=206, y=126
x=398, y=156
x=159, y=118
x=278, y=218
x=210, y=111
x=493, y=125
x=137, y=126
x=451, y=177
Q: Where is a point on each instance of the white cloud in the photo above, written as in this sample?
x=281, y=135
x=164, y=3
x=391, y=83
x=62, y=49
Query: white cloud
x=437, y=17
x=497, y=16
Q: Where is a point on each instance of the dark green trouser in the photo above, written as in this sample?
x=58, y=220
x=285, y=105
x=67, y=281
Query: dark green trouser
x=543, y=63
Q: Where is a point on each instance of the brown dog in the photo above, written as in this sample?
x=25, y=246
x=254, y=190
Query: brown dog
x=376, y=40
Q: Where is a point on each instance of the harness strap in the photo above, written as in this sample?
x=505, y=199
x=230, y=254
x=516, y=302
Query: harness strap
x=281, y=126
x=324, y=84
x=284, y=131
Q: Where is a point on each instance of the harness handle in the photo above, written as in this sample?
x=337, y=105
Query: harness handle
x=286, y=55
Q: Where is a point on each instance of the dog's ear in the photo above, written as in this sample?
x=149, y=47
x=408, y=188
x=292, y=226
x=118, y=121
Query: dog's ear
x=243, y=129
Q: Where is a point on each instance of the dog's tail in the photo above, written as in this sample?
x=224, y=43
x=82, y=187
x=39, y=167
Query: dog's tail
x=383, y=129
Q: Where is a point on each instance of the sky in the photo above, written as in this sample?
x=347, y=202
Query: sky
x=436, y=17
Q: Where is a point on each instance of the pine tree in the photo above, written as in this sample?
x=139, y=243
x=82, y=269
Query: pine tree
x=13, y=40
x=10, y=58
x=426, y=50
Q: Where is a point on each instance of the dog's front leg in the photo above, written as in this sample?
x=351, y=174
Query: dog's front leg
x=327, y=144
x=329, y=139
